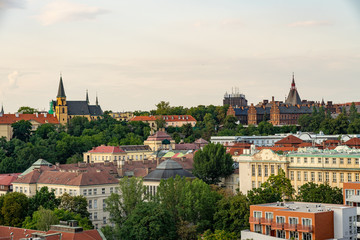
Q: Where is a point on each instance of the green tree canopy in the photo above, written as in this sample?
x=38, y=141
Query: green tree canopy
x=21, y=130
x=212, y=162
x=27, y=110
x=14, y=209
x=322, y=193
x=43, y=198
x=75, y=204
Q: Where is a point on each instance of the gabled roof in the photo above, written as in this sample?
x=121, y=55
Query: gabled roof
x=294, y=109
x=78, y=108
x=167, y=169
x=201, y=141
x=291, y=139
x=95, y=110
x=106, y=149
x=143, y=118
x=177, y=118
x=40, y=118
x=353, y=142
x=159, y=136
x=7, y=179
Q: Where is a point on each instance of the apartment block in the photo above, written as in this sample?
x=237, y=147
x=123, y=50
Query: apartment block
x=351, y=192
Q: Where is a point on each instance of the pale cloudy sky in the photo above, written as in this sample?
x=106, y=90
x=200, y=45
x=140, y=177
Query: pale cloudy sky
x=135, y=53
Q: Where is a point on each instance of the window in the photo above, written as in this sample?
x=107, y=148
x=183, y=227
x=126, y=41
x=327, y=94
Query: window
x=266, y=170
x=305, y=160
x=280, y=219
x=272, y=169
x=293, y=220
x=90, y=192
x=104, y=220
x=306, y=222
x=312, y=160
x=257, y=214
x=84, y=191
x=90, y=216
x=334, y=160
x=253, y=170
x=298, y=173
x=341, y=161
x=292, y=175
x=349, y=178
x=341, y=177
x=292, y=159
x=111, y=190
x=320, y=176
x=104, y=204
x=259, y=170
x=356, y=177
x=60, y=191
x=326, y=160
x=312, y=176
x=298, y=160
x=294, y=235
x=95, y=191
x=327, y=177
x=319, y=160
x=95, y=203
x=305, y=176
x=334, y=178
x=253, y=184
x=269, y=215
x=257, y=228
x=356, y=161
x=307, y=236
x=280, y=233
x=349, y=160
x=103, y=191
x=90, y=204
x=95, y=215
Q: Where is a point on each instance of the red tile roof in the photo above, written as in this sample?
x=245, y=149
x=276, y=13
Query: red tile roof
x=7, y=179
x=275, y=149
x=354, y=142
x=159, y=136
x=40, y=118
x=106, y=149
x=20, y=233
x=291, y=139
x=143, y=118
x=186, y=146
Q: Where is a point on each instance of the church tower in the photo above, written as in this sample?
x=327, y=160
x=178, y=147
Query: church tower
x=61, y=108
x=293, y=97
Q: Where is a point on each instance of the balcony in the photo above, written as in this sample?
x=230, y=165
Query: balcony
x=277, y=226
x=290, y=227
x=304, y=228
x=266, y=221
x=254, y=220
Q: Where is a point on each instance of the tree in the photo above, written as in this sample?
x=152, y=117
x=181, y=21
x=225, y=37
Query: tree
x=75, y=204
x=323, y=193
x=230, y=122
x=27, y=110
x=65, y=215
x=160, y=123
x=281, y=184
x=263, y=195
x=41, y=220
x=120, y=205
x=353, y=114
x=232, y=214
x=219, y=234
x=162, y=108
x=212, y=162
x=14, y=209
x=149, y=220
x=187, y=130
x=43, y=198
x=22, y=130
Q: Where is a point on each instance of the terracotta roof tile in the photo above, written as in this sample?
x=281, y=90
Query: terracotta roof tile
x=7, y=179
x=143, y=118
x=167, y=118
x=106, y=149
x=40, y=118
x=353, y=142
x=291, y=139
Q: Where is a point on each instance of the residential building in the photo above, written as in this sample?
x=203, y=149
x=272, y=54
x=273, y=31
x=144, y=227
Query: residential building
x=66, y=110
x=235, y=99
x=170, y=120
x=6, y=182
x=160, y=141
x=68, y=231
x=114, y=153
x=351, y=193
x=302, y=221
x=122, y=116
x=35, y=119
x=94, y=183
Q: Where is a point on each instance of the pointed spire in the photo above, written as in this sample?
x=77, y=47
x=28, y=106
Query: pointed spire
x=61, y=91
x=87, y=97
x=2, y=109
x=97, y=102
x=293, y=82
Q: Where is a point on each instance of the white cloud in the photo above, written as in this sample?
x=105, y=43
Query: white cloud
x=5, y=4
x=309, y=23
x=65, y=11
x=12, y=80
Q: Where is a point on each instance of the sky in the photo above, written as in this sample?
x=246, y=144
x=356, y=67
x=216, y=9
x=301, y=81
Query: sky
x=135, y=53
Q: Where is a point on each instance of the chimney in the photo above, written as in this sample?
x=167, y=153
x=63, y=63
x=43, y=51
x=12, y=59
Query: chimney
x=272, y=99
x=17, y=114
x=37, y=114
x=45, y=114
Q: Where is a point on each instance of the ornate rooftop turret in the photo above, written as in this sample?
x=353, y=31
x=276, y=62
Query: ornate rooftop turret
x=61, y=91
x=293, y=97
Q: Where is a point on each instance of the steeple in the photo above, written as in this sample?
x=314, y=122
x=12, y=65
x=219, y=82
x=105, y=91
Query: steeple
x=97, y=102
x=87, y=97
x=61, y=91
x=293, y=82
x=2, y=109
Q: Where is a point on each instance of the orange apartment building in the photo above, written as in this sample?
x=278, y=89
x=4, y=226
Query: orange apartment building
x=301, y=220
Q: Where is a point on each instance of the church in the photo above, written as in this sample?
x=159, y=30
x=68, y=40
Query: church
x=66, y=110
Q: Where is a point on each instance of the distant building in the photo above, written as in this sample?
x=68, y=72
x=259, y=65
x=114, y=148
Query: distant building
x=6, y=182
x=160, y=141
x=35, y=119
x=65, y=110
x=351, y=194
x=235, y=99
x=293, y=96
x=300, y=220
x=170, y=120
x=122, y=116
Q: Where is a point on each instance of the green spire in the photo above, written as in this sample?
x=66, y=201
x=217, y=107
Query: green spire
x=61, y=91
x=51, y=111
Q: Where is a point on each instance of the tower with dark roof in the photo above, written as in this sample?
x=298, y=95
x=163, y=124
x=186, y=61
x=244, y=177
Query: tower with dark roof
x=293, y=96
x=61, y=108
